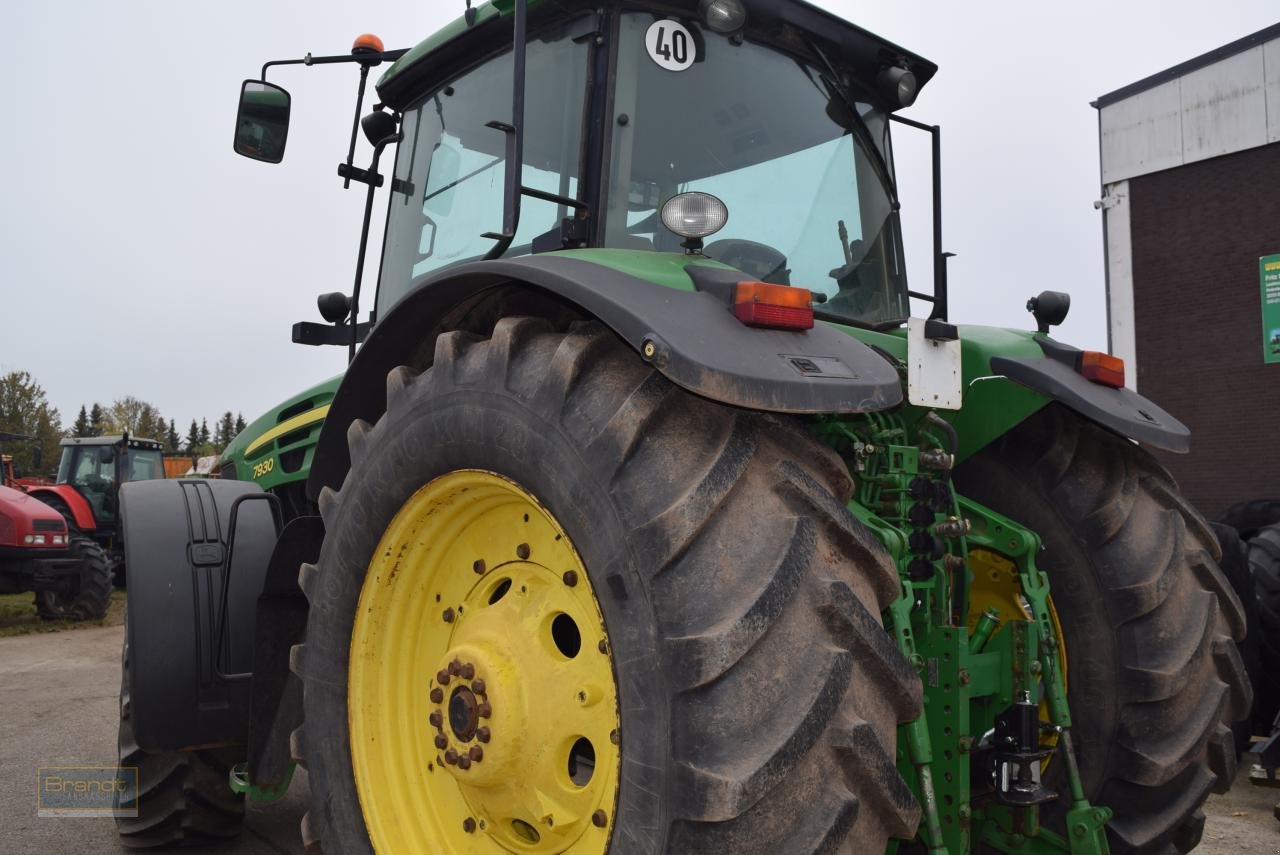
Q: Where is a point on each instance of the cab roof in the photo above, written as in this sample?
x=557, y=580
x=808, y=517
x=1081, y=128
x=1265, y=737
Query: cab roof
x=784, y=20
x=111, y=439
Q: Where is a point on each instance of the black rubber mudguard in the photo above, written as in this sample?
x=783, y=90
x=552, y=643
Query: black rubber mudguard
x=1121, y=410
x=692, y=337
x=176, y=539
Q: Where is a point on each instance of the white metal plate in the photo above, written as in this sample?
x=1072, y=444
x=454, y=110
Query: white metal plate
x=670, y=45
x=933, y=370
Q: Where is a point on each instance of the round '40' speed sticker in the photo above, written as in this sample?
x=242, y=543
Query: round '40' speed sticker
x=670, y=45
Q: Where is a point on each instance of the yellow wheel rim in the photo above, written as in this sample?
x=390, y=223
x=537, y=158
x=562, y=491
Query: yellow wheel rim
x=482, y=703
x=996, y=586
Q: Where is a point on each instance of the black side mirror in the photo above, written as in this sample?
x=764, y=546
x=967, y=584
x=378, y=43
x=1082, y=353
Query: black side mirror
x=262, y=122
x=334, y=307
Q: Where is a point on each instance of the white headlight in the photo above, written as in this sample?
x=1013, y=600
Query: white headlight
x=694, y=215
x=39, y=540
x=29, y=539
x=723, y=16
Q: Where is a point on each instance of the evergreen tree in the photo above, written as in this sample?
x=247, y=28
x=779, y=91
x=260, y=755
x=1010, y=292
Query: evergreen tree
x=97, y=420
x=81, y=427
x=239, y=423
x=226, y=430
x=204, y=432
x=171, y=437
x=193, y=438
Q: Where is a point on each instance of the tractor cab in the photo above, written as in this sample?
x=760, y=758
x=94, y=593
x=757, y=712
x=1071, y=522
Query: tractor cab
x=96, y=467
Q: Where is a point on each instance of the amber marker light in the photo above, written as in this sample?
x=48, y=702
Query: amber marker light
x=760, y=304
x=366, y=43
x=1102, y=368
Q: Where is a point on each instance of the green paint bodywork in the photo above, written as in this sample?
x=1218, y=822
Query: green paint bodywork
x=296, y=447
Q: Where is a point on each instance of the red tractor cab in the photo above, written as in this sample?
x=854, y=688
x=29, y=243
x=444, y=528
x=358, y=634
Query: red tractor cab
x=87, y=492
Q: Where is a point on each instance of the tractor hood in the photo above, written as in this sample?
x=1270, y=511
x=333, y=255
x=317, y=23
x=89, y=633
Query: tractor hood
x=789, y=24
x=22, y=515
x=276, y=448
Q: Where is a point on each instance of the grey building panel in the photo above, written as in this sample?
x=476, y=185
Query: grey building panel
x=1271, y=62
x=1224, y=107
x=1143, y=133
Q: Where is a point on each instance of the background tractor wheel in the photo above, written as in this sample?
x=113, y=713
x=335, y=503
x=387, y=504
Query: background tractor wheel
x=184, y=798
x=1148, y=618
x=1235, y=566
x=758, y=695
x=84, y=597
x=1264, y=564
x=1248, y=518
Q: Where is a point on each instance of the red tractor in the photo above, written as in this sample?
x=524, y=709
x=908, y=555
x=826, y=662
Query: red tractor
x=70, y=575
x=88, y=487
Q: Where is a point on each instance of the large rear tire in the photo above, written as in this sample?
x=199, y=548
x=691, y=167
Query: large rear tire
x=184, y=797
x=1149, y=623
x=84, y=597
x=758, y=695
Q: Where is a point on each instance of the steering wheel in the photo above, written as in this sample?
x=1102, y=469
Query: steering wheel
x=756, y=259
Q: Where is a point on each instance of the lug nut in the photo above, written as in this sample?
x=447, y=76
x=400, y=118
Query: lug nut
x=599, y=819
x=455, y=667
x=477, y=686
x=484, y=710
x=448, y=616
x=603, y=646
x=478, y=566
x=437, y=695
x=570, y=577
x=442, y=677
x=464, y=762
x=467, y=670
x=436, y=718
x=451, y=757
x=522, y=552
x=482, y=734
x=476, y=753
x=441, y=742
x=469, y=825
x=615, y=737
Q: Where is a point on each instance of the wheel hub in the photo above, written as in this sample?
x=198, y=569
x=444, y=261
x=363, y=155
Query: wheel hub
x=508, y=741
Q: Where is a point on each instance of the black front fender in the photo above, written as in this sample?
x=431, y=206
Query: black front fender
x=692, y=337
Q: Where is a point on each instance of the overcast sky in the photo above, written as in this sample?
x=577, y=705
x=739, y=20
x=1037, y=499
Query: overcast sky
x=140, y=256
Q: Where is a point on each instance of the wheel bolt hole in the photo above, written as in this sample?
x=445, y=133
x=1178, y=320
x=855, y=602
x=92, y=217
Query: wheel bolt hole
x=499, y=591
x=582, y=761
x=525, y=831
x=565, y=634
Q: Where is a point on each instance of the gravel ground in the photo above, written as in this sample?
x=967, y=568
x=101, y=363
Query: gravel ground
x=58, y=694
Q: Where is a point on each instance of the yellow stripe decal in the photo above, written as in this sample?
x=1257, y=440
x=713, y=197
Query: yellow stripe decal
x=300, y=420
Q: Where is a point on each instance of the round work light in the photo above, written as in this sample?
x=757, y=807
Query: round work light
x=694, y=215
x=723, y=16
x=898, y=85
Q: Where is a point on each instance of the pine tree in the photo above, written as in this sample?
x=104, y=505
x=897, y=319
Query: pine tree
x=226, y=430
x=97, y=420
x=204, y=432
x=239, y=423
x=193, y=438
x=171, y=437
x=81, y=427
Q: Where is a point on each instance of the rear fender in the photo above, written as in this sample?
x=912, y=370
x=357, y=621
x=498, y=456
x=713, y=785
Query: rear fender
x=81, y=512
x=176, y=538
x=687, y=332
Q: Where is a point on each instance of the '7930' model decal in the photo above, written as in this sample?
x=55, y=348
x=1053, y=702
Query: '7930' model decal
x=260, y=469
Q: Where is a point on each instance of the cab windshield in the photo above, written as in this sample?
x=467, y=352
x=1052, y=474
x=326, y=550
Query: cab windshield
x=804, y=179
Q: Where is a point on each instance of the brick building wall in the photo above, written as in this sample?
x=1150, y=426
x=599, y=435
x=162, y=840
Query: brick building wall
x=1197, y=232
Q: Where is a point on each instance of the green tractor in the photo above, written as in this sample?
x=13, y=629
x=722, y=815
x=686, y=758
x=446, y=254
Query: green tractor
x=645, y=519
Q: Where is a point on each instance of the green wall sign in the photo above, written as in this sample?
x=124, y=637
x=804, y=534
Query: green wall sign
x=1269, y=280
